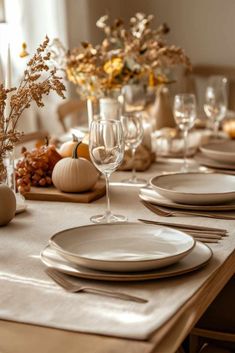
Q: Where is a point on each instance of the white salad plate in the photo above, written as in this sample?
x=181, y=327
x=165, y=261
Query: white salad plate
x=122, y=247
x=221, y=151
x=197, y=258
x=205, y=160
x=150, y=195
x=196, y=188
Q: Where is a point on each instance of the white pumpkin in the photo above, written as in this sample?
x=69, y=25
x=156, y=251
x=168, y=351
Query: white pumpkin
x=74, y=174
x=7, y=204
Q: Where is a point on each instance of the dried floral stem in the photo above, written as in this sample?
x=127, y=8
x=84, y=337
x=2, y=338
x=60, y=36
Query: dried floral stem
x=33, y=87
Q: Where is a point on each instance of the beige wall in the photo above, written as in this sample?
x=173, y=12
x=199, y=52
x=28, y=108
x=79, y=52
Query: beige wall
x=204, y=28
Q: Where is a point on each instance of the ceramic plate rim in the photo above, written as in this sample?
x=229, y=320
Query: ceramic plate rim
x=62, y=251
x=205, y=160
x=190, y=193
x=204, y=148
x=164, y=203
x=123, y=277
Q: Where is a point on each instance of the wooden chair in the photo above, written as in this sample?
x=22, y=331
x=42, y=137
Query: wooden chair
x=208, y=348
x=70, y=108
x=30, y=140
x=202, y=72
x=217, y=325
x=33, y=136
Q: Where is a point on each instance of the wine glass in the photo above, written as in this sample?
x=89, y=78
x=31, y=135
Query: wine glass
x=185, y=116
x=133, y=135
x=215, y=105
x=106, y=147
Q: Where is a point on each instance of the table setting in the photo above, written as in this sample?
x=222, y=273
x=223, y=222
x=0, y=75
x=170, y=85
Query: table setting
x=107, y=245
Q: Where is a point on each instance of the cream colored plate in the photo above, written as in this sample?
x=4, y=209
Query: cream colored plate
x=196, y=188
x=198, y=257
x=204, y=160
x=221, y=151
x=150, y=195
x=122, y=247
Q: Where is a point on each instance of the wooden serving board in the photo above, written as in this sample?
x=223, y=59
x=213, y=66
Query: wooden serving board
x=52, y=194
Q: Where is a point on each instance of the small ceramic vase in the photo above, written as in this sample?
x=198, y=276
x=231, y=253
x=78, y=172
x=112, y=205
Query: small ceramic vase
x=7, y=204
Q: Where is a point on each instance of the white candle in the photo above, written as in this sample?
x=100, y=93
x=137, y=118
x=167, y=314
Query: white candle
x=8, y=80
x=89, y=111
x=8, y=77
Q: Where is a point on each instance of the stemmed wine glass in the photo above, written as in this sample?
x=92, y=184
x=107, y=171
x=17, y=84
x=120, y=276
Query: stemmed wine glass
x=106, y=147
x=215, y=105
x=133, y=135
x=185, y=116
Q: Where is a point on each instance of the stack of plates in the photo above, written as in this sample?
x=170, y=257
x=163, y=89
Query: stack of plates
x=192, y=191
x=124, y=252
x=219, y=155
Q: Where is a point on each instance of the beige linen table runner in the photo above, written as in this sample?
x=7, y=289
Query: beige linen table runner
x=28, y=295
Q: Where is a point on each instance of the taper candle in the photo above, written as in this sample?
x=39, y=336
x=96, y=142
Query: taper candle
x=8, y=78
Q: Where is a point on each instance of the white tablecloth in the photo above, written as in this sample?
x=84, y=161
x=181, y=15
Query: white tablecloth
x=28, y=295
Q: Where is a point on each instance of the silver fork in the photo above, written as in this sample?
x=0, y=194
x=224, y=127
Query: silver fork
x=72, y=287
x=168, y=213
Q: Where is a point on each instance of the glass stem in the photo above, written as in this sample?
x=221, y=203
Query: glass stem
x=108, y=208
x=133, y=150
x=185, y=148
x=216, y=129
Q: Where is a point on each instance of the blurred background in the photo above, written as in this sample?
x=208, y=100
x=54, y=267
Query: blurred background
x=204, y=28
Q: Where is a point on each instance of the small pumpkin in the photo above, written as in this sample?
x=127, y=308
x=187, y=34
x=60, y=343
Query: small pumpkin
x=66, y=149
x=74, y=174
x=7, y=204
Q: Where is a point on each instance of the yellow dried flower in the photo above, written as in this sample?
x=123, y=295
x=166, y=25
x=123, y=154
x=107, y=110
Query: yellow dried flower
x=114, y=67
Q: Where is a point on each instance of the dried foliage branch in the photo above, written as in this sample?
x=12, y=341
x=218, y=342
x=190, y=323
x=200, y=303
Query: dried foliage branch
x=126, y=55
x=38, y=80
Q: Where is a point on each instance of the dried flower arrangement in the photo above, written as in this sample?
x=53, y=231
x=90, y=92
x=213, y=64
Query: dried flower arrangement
x=126, y=55
x=33, y=86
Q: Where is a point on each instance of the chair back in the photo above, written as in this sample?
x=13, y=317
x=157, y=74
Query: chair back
x=197, y=79
x=71, y=107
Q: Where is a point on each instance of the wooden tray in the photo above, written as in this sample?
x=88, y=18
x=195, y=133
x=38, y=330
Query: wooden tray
x=52, y=194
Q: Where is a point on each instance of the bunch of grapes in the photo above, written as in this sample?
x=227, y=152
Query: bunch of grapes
x=35, y=168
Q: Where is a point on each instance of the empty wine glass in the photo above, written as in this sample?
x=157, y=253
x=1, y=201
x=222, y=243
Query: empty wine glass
x=185, y=116
x=133, y=135
x=215, y=105
x=106, y=146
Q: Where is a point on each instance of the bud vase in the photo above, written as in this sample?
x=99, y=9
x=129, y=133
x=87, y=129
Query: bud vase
x=7, y=197
x=9, y=175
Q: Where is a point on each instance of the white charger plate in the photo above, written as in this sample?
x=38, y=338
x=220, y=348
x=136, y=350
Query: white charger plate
x=150, y=195
x=196, y=188
x=122, y=247
x=221, y=151
x=197, y=258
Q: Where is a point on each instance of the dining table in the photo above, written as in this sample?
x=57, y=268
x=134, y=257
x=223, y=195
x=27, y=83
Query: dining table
x=36, y=315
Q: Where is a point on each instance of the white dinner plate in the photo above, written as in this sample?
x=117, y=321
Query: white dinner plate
x=122, y=247
x=204, y=160
x=221, y=151
x=149, y=195
x=196, y=188
x=198, y=257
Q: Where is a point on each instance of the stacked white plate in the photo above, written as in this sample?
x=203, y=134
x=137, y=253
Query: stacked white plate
x=124, y=252
x=196, y=188
x=218, y=155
